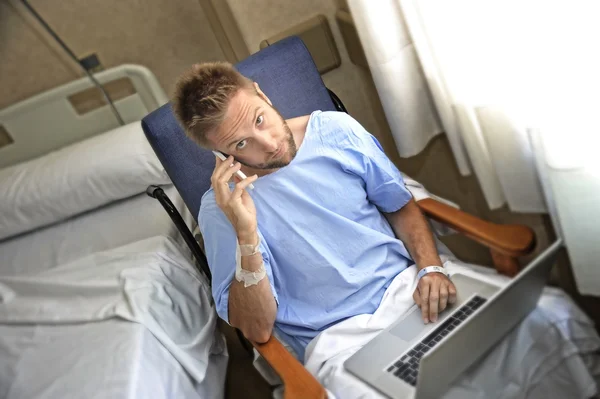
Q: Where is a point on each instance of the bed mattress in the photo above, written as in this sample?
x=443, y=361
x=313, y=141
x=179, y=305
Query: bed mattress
x=135, y=321
x=111, y=359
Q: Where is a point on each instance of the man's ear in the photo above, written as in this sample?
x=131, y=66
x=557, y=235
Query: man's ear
x=261, y=94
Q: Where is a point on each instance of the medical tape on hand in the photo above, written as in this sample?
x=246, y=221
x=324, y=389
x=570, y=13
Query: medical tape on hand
x=245, y=276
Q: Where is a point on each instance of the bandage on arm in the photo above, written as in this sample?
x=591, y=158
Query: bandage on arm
x=252, y=308
x=247, y=277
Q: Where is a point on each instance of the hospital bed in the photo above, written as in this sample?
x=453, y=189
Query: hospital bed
x=100, y=296
x=287, y=74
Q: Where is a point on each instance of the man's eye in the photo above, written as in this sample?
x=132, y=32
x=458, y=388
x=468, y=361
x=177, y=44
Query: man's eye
x=259, y=120
x=241, y=144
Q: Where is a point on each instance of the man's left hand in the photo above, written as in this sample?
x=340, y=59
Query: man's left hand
x=433, y=294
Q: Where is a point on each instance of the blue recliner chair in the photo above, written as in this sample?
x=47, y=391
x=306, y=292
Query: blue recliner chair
x=287, y=74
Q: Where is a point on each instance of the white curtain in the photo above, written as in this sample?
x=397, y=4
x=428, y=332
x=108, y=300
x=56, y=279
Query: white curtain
x=516, y=84
x=476, y=57
x=398, y=77
x=479, y=55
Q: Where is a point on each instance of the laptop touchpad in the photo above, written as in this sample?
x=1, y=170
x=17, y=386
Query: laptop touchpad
x=411, y=326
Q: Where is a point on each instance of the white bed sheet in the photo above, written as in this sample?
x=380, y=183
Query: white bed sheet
x=51, y=361
x=111, y=226
x=546, y=356
x=137, y=321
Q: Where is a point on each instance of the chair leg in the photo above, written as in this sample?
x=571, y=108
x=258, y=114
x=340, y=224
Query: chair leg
x=505, y=264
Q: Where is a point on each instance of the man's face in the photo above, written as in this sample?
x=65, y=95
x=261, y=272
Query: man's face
x=254, y=133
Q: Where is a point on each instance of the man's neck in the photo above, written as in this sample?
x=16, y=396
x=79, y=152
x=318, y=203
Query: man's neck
x=298, y=127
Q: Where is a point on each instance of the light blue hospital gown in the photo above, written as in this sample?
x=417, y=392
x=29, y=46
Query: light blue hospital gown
x=329, y=252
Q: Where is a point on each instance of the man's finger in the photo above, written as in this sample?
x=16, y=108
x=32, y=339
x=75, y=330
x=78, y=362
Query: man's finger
x=424, y=290
x=221, y=169
x=451, y=293
x=443, y=296
x=434, y=299
x=241, y=186
x=221, y=183
x=417, y=297
x=220, y=166
x=226, y=175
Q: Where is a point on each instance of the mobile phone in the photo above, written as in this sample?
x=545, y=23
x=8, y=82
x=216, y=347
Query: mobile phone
x=239, y=173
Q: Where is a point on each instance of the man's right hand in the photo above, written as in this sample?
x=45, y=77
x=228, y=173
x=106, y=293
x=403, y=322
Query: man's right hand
x=237, y=204
x=252, y=309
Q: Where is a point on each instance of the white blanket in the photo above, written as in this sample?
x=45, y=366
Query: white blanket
x=148, y=282
x=544, y=357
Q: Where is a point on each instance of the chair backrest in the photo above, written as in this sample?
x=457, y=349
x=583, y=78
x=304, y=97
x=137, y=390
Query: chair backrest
x=285, y=72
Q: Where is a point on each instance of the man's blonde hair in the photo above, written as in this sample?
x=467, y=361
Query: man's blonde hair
x=202, y=95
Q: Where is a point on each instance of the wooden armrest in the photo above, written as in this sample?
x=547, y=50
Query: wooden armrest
x=297, y=381
x=511, y=240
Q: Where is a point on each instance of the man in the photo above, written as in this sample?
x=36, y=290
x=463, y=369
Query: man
x=312, y=253
x=327, y=228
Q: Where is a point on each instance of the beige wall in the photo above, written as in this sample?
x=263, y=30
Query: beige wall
x=261, y=19
x=165, y=36
x=27, y=66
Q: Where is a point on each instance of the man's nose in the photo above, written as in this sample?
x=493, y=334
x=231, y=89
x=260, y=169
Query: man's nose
x=270, y=144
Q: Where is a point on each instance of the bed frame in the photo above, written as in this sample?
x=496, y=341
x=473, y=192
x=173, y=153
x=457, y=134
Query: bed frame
x=75, y=111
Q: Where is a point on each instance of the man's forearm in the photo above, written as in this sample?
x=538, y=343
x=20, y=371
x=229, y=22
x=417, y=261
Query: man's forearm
x=412, y=229
x=252, y=309
x=435, y=291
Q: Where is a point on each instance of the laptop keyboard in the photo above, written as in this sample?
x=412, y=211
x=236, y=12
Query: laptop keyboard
x=407, y=367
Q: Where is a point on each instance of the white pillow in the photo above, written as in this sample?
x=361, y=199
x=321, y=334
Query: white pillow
x=111, y=226
x=83, y=176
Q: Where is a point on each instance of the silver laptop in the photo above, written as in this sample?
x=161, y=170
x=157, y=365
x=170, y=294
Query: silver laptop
x=414, y=359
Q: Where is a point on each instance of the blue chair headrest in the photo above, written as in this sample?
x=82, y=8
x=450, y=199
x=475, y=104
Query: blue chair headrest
x=285, y=72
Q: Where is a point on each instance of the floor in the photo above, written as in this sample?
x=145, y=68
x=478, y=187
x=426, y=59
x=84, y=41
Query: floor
x=243, y=381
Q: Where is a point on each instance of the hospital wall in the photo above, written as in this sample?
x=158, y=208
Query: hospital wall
x=165, y=36
x=169, y=36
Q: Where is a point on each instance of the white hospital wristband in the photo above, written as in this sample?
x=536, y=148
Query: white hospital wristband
x=244, y=276
x=432, y=269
